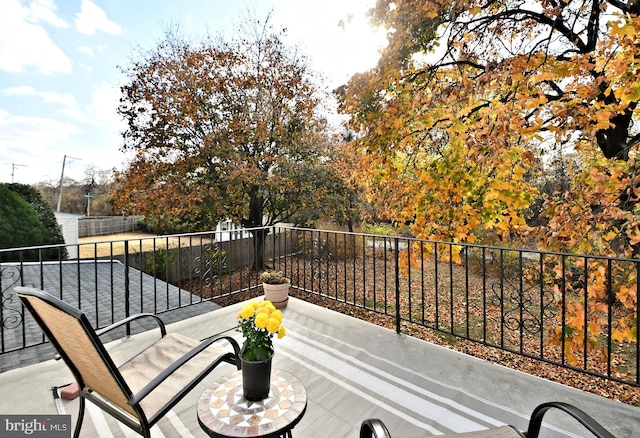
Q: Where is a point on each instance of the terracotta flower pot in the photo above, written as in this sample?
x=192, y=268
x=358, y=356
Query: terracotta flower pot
x=278, y=294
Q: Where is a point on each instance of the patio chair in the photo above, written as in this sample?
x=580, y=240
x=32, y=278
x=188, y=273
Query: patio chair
x=144, y=388
x=375, y=428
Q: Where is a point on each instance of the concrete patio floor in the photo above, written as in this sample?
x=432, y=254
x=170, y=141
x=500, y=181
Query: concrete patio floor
x=360, y=371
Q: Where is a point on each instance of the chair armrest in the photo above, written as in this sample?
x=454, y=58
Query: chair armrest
x=374, y=428
x=234, y=344
x=229, y=357
x=583, y=418
x=163, y=330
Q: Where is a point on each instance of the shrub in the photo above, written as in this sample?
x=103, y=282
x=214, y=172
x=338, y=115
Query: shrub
x=159, y=264
x=379, y=229
x=20, y=226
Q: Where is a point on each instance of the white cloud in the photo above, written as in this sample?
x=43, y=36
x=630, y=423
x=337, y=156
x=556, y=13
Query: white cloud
x=32, y=131
x=86, y=50
x=44, y=11
x=93, y=51
x=336, y=34
x=101, y=111
x=65, y=99
x=24, y=44
x=93, y=114
x=33, y=141
x=39, y=143
x=69, y=105
x=105, y=101
x=85, y=67
x=79, y=115
x=92, y=18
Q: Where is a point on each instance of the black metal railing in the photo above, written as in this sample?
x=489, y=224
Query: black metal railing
x=531, y=303
x=576, y=311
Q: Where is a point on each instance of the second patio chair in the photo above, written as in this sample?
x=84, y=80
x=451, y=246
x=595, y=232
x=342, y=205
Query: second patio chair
x=375, y=428
x=143, y=389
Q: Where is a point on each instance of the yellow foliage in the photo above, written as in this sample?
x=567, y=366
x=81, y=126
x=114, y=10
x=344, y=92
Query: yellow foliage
x=459, y=145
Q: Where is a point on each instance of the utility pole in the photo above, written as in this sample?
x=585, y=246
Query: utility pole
x=88, y=196
x=64, y=161
x=13, y=169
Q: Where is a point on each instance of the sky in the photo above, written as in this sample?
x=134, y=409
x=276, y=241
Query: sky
x=60, y=66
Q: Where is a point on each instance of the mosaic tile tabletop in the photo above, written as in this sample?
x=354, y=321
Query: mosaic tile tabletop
x=224, y=412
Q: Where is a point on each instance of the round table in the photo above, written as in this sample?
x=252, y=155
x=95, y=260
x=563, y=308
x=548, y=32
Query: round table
x=224, y=412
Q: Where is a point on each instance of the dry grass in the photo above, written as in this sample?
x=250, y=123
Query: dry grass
x=105, y=246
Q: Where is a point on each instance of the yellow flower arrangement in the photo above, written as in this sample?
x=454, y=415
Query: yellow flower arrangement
x=258, y=322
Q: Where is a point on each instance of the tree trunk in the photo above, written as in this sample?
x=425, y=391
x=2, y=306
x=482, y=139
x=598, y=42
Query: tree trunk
x=259, y=237
x=256, y=209
x=613, y=140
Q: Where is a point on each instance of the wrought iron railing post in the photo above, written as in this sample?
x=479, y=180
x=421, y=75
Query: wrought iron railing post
x=274, y=256
x=611, y=299
x=126, y=285
x=637, y=361
x=396, y=259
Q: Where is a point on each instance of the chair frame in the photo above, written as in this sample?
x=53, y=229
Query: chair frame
x=375, y=428
x=142, y=424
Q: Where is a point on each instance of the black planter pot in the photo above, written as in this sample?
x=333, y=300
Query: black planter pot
x=256, y=379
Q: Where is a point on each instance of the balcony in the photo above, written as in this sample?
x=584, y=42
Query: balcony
x=352, y=369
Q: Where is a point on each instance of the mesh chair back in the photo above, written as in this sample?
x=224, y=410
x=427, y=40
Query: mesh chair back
x=70, y=332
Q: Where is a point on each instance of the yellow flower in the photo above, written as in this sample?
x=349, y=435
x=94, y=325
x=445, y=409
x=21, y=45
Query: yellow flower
x=273, y=325
x=269, y=305
x=246, y=312
x=258, y=322
x=261, y=320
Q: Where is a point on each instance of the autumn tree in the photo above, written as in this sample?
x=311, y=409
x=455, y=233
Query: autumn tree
x=96, y=183
x=467, y=100
x=473, y=87
x=343, y=201
x=222, y=129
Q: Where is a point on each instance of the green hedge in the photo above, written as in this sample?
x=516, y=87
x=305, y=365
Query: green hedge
x=27, y=220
